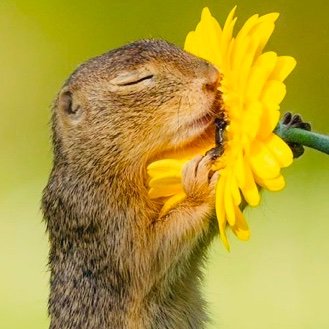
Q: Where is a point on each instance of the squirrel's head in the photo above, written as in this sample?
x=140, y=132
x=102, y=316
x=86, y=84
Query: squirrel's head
x=133, y=103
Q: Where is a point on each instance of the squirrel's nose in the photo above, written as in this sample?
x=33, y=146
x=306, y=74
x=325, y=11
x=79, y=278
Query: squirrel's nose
x=212, y=78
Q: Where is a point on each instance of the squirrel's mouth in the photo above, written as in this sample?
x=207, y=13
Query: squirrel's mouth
x=199, y=131
x=202, y=122
x=195, y=135
x=202, y=128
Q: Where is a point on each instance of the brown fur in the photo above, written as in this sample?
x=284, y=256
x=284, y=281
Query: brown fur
x=114, y=262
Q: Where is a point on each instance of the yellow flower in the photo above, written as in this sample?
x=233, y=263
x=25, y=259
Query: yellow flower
x=252, y=89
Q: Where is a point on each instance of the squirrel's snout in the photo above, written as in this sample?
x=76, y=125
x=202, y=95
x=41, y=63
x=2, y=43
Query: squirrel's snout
x=212, y=79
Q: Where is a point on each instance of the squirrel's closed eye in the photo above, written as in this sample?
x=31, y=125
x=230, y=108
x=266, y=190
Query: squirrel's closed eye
x=131, y=78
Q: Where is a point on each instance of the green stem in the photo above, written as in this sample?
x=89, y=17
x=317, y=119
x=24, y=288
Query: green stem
x=304, y=137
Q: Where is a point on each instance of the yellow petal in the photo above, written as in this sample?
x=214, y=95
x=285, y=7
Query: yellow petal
x=240, y=171
x=212, y=36
x=259, y=74
x=229, y=202
x=242, y=73
x=275, y=184
x=172, y=202
x=220, y=206
x=274, y=91
x=164, y=180
x=159, y=167
x=251, y=120
x=270, y=119
x=235, y=191
x=225, y=40
x=223, y=238
x=204, y=41
x=284, y=66
x=249, y=189
x=264, y=29
x=240, y=229
x=192, y=44
x=247, y=26
x=164, y=191
x=248, y=44
x=220, y=211
x=262, y=162
x=280, y=150
x=240, y=48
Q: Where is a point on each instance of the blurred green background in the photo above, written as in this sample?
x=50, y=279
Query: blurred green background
x=279, y=279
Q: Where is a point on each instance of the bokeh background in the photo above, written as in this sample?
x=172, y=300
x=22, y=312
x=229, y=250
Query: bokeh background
x=279, y=279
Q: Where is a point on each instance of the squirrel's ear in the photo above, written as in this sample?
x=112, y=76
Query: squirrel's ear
x=66, y=105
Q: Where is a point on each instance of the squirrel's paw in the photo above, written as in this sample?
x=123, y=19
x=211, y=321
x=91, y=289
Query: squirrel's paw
x=199, y=180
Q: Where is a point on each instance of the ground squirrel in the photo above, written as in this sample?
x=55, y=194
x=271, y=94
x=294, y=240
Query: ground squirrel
x=114, y=263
